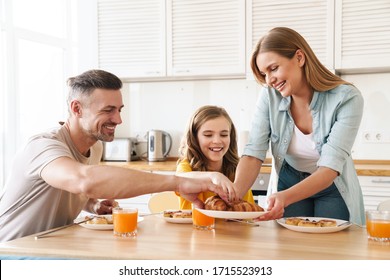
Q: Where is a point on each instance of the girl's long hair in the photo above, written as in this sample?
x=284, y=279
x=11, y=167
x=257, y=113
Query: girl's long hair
x=190, y=148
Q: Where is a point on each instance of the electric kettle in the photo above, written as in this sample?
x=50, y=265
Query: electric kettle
x=159, y=145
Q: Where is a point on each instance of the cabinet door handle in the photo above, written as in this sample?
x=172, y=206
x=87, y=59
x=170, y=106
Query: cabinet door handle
x=380, y=181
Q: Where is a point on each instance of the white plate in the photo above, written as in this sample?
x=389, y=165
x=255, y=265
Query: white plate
x=178, y=220
x=282, y=222
x=231, y=214
x=100, y=226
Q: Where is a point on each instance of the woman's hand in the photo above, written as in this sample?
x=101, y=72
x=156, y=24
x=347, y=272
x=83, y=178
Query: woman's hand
x=276, y=205
x=321, y=179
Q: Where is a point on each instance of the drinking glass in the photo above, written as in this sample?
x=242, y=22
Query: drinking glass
x=201, y=221
x=378, y=225
x=125, y=221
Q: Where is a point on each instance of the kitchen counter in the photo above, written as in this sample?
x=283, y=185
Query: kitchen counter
x=372, y=167
x=363, y=167
x=169, y=165
x=158, y=239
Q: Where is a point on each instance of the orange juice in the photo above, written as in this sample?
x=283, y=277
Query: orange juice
x=125, y=222
x=378, y=228
x=201, y=221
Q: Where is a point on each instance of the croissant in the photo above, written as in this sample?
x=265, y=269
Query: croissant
x=245, y=206
x=218, y=204
x=215, y=203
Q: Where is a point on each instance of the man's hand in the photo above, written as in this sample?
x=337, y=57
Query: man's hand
x=105, y=206
x=189, y=189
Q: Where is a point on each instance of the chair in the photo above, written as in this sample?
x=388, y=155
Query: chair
x=163, y=201
x=384, y=205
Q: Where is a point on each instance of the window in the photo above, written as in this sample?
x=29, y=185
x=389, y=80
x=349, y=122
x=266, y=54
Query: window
x=42, y=16
x=39, y=49
x=2, y=102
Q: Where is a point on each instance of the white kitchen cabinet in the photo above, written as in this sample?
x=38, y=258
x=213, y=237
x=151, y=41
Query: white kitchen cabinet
x=129, y=35
x=375, y=190
x=206, y=37
x=169, y=38
x=362, y=37
x=177, y=39
x=314, y=20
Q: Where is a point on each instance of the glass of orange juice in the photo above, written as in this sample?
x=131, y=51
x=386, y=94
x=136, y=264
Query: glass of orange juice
x=201, y=221
x=378, y=225
x=125, y=221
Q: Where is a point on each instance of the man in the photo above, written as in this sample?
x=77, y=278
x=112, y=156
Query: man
x=57, y=174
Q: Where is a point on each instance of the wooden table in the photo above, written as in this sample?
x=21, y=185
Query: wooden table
x=158, y=239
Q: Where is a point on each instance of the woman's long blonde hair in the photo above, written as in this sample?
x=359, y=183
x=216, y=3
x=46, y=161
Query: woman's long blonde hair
x=190, y=148
x=285, y=42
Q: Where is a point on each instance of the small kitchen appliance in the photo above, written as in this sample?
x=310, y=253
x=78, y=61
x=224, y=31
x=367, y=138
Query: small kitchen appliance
x=120, y=149
x=159, y=145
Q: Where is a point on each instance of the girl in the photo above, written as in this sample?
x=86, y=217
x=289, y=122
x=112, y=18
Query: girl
x=210, y=145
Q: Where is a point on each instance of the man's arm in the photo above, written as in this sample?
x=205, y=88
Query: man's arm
x=110, y=182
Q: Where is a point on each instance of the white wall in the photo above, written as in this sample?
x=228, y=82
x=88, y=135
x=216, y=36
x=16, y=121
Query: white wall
x=169, y=105
x=376, y=93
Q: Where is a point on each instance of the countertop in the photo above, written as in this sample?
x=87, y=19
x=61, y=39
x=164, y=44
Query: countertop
x=363, y=167
x=158, y=239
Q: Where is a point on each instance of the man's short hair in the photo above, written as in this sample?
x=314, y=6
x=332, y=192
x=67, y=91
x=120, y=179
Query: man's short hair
x=85, y=83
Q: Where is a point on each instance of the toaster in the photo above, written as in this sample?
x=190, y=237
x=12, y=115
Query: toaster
x=120, y=149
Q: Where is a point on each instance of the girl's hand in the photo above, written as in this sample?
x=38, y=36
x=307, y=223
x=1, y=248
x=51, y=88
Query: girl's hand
x=227, y=186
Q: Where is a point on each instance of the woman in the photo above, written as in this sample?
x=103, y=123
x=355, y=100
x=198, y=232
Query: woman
x=311, y=117
x=210, y=145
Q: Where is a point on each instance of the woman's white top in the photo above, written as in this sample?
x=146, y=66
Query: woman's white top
x=302, y=153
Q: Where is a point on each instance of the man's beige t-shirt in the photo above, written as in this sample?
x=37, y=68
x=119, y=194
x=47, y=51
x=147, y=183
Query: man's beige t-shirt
x=28, y=204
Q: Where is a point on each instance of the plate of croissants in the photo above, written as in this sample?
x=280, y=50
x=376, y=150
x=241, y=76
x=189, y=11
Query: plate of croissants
x=218, y=208
x=314, y=224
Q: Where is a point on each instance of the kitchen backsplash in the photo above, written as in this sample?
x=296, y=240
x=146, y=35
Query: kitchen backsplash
x=169, y=105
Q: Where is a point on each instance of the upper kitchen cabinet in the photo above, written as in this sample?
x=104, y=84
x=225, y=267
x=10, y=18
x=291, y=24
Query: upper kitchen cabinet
x=362, y=39
x=129, y=37
x=314, y=20
x=165, y=39
x=206, y=37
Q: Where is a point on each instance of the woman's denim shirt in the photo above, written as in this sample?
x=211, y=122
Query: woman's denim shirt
x=336, y=113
